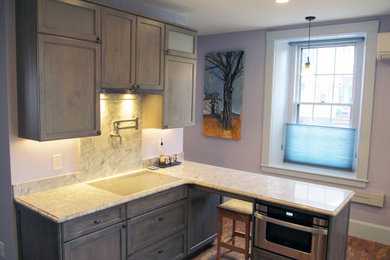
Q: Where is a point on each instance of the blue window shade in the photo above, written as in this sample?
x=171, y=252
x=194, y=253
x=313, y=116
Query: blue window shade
x=320, y=146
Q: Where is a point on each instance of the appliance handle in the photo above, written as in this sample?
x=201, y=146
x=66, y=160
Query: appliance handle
x=313, y=230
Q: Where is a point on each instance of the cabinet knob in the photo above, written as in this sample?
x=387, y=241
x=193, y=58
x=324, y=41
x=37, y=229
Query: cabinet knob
x=160, y=219
x=98, y=221
x=98, y=39
x=99, y=132
x=160, y=251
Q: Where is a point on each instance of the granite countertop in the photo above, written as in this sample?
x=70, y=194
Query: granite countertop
x=68, y=202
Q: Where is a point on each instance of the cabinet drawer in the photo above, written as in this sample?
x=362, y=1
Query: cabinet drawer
x=172, y=247
x=92, y=222
x=144, y=205
x=71, y=18
x=108, y=243
x=149, y=228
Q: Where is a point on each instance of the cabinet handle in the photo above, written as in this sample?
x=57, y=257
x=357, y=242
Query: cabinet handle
x=160, y=251
x=98, y=39
x=98, y=221
x=134, y=88
x=160, y=219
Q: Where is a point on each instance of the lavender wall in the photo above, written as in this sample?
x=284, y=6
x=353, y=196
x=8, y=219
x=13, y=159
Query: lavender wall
x=245, y=153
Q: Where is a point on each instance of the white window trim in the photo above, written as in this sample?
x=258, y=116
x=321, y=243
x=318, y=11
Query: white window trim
x=277, y=62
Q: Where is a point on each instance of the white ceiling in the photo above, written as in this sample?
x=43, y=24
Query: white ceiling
x=219, y=16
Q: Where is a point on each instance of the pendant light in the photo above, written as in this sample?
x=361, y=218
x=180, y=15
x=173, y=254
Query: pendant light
x=306, y=69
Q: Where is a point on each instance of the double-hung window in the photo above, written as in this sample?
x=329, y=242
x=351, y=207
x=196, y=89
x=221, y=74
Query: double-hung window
x=324, y=104
x=317, y=125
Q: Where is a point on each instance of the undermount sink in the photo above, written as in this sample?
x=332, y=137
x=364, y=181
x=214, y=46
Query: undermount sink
x=132, y=183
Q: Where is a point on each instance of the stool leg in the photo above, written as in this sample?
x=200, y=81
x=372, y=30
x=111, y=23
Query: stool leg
x=247, y=237
x=234, y=230
x=219, y=238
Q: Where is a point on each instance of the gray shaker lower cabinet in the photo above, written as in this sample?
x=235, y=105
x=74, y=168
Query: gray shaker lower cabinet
x=109, y=243
x=202, y=218
x=158, y=226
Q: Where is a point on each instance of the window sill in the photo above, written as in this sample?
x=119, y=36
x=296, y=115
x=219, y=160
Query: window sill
x=315, y=174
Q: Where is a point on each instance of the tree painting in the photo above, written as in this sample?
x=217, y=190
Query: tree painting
x=223, y=94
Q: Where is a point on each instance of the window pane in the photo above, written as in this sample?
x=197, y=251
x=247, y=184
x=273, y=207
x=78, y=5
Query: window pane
x=345, y=59
x=313, y=59
x=305, y=114
x=325, y=60
x=324, y=89
x=321, y=115
x=341, y=116
x=307, y=89
x=343, y=89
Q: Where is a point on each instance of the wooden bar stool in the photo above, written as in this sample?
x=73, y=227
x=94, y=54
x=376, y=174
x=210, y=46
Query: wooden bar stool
x=236, y=210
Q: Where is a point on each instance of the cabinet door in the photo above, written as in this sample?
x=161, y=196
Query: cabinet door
x=150, y=54
x=69, y=81
x=179, y=92
x=109, y=243
x=71, y=18
x=202, y=218
x=180, y=42
x=118, y=49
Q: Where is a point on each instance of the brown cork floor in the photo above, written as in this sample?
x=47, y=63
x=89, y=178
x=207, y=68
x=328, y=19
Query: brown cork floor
x=358, y=249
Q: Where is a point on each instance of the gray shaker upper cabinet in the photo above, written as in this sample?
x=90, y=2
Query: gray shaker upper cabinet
x=58, y=81
x=150, y=55
x=179, y=94
x=118, y=49
x=180, y=42
x=176, y=107
x=69, y=18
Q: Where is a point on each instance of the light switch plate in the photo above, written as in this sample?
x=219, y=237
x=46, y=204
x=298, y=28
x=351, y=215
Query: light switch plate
x=57, y=161
x=2, y=250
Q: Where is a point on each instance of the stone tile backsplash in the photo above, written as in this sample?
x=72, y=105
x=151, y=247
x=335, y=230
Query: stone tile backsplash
x=103, y=155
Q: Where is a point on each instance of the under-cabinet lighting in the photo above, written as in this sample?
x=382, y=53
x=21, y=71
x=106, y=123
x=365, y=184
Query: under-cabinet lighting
x=281, y=1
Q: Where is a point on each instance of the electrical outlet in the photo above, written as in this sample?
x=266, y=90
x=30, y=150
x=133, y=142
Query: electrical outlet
x=57, y=161
x=2, y=250
x=160, y=145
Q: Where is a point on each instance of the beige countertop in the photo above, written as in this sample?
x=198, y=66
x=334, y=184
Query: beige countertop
x=68, y=202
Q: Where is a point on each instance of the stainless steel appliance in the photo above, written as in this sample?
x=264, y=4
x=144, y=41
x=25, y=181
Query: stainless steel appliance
x=290, y=233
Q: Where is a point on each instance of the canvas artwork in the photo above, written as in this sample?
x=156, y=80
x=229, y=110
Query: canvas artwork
x=223, y=94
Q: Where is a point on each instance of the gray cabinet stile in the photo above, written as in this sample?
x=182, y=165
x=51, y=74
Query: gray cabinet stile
x=118, y=49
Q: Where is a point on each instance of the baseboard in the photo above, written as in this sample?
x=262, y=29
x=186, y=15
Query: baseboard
x=368, y=231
